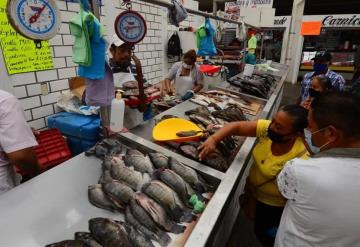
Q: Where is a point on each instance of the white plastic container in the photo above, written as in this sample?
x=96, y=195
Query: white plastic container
x=249, y=69
x=117, y=113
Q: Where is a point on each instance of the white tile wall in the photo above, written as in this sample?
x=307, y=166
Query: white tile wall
x=50, y=98
x=22, y=79
x=34, y=89
x=42, y=111
x=59, y=85
x=67, y=73
x=63, y=51
x=38, y=124
x=59, y=62
x=30, y=102
x=20, y=92
x=47, y=75
x=28, y=116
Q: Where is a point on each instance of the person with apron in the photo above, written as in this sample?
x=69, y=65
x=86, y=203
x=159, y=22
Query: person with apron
x=186, y=76
x=123, y=71
x=16, y=142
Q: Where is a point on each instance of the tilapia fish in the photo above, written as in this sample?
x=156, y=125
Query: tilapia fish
x=137, y=238
x=129, y=176
x=105, y=177
x=159, y=160
x=190, y=151
x=68, y=243
x=189, y=175
x=98, y=198
x=109, y=233
x=216, y=161
x=87, y=239
x=157, y=213
x=175, y=182
x=169, y=200
x=145, y=219
x=140, y=162
x=118, y=193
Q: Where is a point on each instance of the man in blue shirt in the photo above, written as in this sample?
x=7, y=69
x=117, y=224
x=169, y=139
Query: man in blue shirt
x=322, y=61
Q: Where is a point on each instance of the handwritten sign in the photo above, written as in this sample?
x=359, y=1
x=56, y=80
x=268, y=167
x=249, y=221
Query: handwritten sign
x=20, y=54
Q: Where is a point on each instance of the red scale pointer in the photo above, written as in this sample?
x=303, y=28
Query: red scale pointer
x=37, y=14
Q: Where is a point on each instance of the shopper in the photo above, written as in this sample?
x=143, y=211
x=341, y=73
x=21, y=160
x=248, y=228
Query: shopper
x=279, y=141
x=16, y=142
x=323, y=192
x=186, y=75
x=319, y=85
x=322, y=60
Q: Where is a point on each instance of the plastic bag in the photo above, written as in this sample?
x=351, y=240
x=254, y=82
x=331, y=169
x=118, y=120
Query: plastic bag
x=206, y=44
x=71, y=103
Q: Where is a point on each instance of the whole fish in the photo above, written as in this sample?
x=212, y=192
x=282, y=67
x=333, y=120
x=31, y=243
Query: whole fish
x=189, y=175
x=144, y=218
x=175, y=182
x=190, y=151
x=134, y=152
x=118, y=193
x=137, y=238
x=159, y=160
x=130, y=219
x=105, y=177
x=141, y=163
x=157, y=213
x=129, y=176
x=169, y=200
x=109, y=233
x=98, y=198
x=216, y=161
x=68, y=243
x=87, y=239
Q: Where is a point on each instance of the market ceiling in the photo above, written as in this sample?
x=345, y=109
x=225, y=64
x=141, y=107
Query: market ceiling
x=312, y=7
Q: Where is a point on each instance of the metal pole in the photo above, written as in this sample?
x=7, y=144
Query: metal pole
x=195, y=12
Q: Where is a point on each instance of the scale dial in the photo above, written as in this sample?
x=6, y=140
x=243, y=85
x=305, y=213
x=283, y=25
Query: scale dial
x=34, y=19
x=130, y=27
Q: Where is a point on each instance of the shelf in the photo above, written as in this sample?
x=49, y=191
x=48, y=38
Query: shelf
x=333, y=68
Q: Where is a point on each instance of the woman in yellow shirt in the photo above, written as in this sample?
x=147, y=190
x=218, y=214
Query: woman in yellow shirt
x=279, y=141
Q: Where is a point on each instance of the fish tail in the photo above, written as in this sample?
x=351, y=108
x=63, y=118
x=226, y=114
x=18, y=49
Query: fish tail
x=175, y=228
x=177, y=213
x=188, y=217
x=164, y=238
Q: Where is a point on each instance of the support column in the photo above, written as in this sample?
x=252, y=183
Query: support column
x=294, y=46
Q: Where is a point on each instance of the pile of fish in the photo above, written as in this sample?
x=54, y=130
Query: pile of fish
x=151, y=190
x=256, y=85
x=166, y=102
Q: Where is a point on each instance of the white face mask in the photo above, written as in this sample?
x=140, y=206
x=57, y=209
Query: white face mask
x=308, y=138
x=186, y=66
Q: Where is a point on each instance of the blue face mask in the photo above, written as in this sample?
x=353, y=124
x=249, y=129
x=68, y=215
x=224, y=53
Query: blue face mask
x=319, y=68
x=308, y=138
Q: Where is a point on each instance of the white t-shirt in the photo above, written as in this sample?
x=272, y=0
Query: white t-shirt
x=15, y=133
x=323, y=200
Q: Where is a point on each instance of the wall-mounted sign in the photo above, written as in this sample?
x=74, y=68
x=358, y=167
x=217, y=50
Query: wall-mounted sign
x=352, y=20
x=20, y=54
x=232, y=11
x=255, y=3
x=311, y=28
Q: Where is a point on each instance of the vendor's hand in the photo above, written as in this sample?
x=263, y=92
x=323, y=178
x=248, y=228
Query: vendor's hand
x=188, y=95
x=209, y=146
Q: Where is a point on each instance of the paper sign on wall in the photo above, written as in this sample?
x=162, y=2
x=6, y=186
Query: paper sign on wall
x=20, y=54
x=311, y=28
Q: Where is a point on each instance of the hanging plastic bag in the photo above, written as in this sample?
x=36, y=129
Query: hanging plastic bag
x=176, y=13
x=206, y=43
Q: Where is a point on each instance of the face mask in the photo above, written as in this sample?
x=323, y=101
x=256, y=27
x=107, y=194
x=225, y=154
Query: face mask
x=308, y=138
x=319, y=68
x=313, y=93
x=187, y=66
x=275, y=137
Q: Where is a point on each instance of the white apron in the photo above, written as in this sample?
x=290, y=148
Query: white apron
x=183, y=84
x=8, y=178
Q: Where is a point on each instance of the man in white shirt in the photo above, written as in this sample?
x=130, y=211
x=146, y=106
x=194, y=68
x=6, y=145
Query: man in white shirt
x=16, y=142
x=324, y=192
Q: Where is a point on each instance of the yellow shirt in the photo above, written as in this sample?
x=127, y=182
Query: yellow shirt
x=267, y=165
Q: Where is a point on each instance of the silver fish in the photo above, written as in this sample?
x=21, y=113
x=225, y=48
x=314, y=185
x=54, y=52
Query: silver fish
x=142, y=216
x=68, y=243
x=129, y=176
x=87, y=239
x=157, y=213
x=98, y=198
x=109, y=233
x=119, y=193
x=189, y=175
x=159, y=160
x=141, y=163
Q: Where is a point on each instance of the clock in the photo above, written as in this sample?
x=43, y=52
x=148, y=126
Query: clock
x=34, y=19
x=130, y=27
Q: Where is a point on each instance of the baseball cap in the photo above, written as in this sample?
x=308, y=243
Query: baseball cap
x=116, y=41
x=322, y=56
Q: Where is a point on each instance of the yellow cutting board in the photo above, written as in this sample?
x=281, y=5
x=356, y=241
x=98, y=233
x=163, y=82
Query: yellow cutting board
x=166, y=130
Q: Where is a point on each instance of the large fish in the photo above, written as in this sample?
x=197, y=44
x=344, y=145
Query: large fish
x=118, y=193
x=137, y=238
x=105, y=177
x=175, y=182
x=87, y=239
x=169, y=200
x=109, y=233
x=140, y=162
x=144, y=218
x=159, y=160
x=157, y=213
x=190, y=151
x=129, y=176
x=68, y=243
x=98, y=198
x=189, y=175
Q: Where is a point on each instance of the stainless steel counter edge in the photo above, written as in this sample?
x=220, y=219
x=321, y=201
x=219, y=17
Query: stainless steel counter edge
x=191, y=163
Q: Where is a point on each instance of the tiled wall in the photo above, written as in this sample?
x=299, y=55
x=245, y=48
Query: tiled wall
x=27, y=86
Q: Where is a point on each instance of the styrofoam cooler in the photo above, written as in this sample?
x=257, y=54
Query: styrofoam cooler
x=82, y=132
